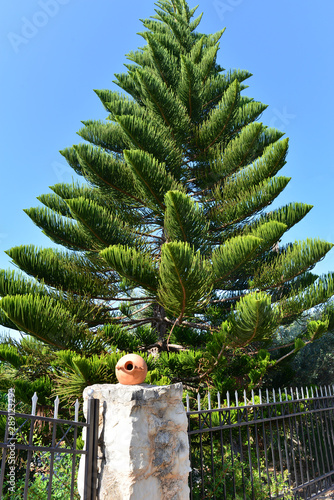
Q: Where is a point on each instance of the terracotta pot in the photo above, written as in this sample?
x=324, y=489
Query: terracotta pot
x=131, y=370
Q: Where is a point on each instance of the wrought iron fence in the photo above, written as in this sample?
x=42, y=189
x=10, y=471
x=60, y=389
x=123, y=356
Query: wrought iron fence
x=275, y=445
x=36, y=463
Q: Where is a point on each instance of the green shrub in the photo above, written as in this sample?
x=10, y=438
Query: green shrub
x=232, y=477
x=39, y=480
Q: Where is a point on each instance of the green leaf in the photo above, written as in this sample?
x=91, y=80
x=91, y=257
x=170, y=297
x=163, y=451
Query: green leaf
x=81, y=371
x=215, y=86
x=265, y=167
x=196, y=51
x=164, y=60
x=299, y=344
x=151, y=177
x=316, y=328
x=108, y=136
x=185, y=221
x=290, y=214
x=239, y=152
x=220, y=120
x=13, y=283
x=61, y=230
x=107, y=173
x=247, y=202
x=45, y=319
x=132, y=264
x=184, y=279
x=146, y=135
x=227, y=258
x=118, y=104
x=9, y=354
x=304, y=298
x=269, y=233
x=189, y=87
x=254, y=319
x=72, y=159
x=291, y=262
x=207, y=61
x=164, y=104
x=106, y=228
x=193, y=25
x=56, y=268
x=248, y=111
x=55, y=203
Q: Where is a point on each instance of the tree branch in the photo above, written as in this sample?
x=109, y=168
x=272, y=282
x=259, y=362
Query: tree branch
x=288, y=354
x=200, y=326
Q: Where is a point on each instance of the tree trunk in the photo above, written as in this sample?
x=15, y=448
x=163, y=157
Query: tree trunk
x=160, y=326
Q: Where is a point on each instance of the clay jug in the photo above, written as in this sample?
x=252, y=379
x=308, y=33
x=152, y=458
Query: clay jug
x=131, y=370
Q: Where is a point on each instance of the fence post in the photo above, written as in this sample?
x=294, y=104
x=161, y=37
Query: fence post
x=143, y=443
x=90, y=482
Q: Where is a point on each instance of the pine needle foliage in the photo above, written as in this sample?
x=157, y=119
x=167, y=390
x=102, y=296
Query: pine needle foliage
x=166, y=243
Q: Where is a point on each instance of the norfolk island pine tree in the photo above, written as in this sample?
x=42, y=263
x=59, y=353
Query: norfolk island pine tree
x=166, y=245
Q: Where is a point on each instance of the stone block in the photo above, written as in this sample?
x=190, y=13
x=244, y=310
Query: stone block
x=143, y=443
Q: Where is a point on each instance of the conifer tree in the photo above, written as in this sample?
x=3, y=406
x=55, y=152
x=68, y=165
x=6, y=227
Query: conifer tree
x=166, y=244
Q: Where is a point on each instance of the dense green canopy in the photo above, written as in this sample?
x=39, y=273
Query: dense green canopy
x=167, y=244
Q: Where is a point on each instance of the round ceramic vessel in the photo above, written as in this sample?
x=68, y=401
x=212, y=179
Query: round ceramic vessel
x=131, y=370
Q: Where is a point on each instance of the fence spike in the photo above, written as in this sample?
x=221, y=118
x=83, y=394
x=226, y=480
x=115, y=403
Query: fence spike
x=286, y=393
x=228, y=399
x=307, y=393
x=253, y=398
x=274, y=396
x=199, y=401
x=302, y=391
x=236, y=398
x=218, y=399
x=316, y=392
x=245, y=397
x=267, y=394
x=34, y=404
x=209, y=401
x=325, y=390
x=321, y=391
x=187, y=400
x=280, y=394
x=291, y=392
x=260, y=396
x=312, y=392
x=56, y=407
x=76, y=411
x=329, y=390
x=297, y=393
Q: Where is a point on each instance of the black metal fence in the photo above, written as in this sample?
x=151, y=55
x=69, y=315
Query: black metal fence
x=277, y=445
x=26, y=463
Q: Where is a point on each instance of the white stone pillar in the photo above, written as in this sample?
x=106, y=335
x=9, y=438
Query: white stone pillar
x=143, y=443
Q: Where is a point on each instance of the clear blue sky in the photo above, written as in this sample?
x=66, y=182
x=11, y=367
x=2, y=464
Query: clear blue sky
x=55, y=52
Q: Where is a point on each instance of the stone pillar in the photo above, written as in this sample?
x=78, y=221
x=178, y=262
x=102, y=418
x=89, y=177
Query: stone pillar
x=143, y=443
